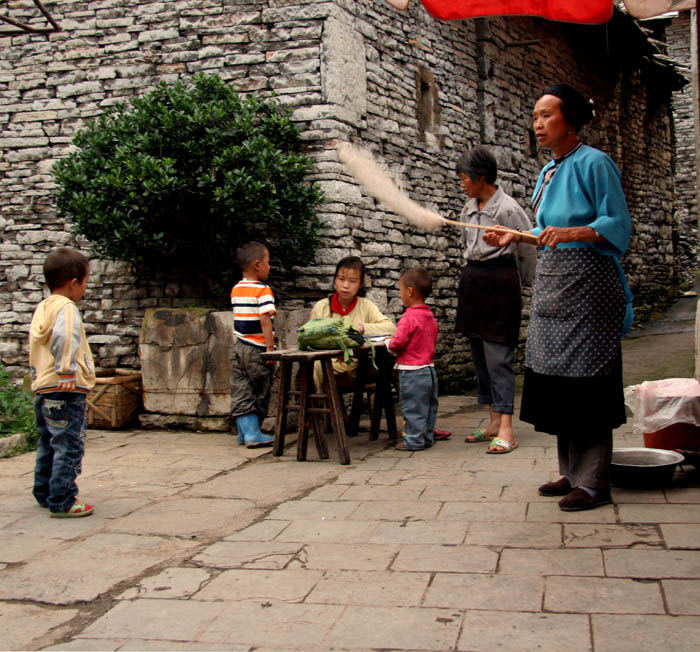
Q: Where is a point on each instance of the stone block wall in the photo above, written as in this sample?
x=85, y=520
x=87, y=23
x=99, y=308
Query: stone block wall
x=679, y=33
x=414, y=90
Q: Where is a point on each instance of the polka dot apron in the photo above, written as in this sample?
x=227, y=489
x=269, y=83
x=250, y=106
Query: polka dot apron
x=578, y=308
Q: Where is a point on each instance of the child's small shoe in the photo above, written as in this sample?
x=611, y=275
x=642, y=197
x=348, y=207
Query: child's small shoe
x=74, y=511
x=439, y=434
x=401, y=446
x=259, y=441
x=248, y=427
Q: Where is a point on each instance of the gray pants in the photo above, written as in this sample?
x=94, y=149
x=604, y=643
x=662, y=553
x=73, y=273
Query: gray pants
x=495, y=378
x=586, y=462
x=251, y=379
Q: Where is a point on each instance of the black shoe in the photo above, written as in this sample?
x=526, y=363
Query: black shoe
x=579, y=500
x=559, y=488
x=691, y=457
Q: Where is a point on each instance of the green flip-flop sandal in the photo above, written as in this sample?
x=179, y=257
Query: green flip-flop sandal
x=478, y=436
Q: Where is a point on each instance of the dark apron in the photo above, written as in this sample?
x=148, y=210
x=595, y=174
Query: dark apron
x=488, y=301
x=573, y=374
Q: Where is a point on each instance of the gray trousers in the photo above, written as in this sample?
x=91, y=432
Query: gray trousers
x=495, y=377
x=251, y=379
x=586, y=462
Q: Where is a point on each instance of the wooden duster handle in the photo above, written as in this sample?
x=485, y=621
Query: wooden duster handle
x=500, y=229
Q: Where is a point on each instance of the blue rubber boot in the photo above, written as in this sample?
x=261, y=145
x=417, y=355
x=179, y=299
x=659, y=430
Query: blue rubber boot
x=249, y=426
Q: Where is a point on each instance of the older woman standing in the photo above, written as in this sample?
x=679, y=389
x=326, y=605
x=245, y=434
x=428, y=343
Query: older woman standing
x=488, y=308
x=581, y=305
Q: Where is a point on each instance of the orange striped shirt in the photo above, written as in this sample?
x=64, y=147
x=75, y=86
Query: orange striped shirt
x=249, y=300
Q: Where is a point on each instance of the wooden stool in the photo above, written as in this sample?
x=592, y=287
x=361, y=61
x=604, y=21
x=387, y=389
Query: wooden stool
x=309, y=404
x=382, y=390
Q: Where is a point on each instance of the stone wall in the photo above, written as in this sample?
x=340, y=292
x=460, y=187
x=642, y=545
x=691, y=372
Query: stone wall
x=414, y=90
x=678, y=37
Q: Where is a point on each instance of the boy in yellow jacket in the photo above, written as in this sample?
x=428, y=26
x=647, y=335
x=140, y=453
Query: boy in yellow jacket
x=63, y=372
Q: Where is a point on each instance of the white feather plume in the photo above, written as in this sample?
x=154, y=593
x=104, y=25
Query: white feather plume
x=376, y=180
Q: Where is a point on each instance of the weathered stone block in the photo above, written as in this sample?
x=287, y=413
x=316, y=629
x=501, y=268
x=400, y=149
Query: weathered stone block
x=185, y=361
x=185, y=364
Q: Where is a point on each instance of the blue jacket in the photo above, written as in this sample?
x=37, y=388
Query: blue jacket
x=586, y=191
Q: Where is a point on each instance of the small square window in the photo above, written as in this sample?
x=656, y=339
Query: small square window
x=428, y=107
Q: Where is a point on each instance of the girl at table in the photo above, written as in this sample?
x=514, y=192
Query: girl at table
x=349, y=300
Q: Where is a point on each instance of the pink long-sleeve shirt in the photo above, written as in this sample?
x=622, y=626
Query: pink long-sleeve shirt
x=415, y=338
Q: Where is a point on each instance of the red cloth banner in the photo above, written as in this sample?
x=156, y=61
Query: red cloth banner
x=570, y=11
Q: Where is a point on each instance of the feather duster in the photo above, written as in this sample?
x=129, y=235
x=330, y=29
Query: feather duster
x=375, y=178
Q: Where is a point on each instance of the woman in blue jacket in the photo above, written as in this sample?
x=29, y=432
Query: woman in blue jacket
x=581, y=305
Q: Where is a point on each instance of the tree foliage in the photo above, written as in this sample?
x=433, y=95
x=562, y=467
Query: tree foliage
x=16, y=414
x=183, y=175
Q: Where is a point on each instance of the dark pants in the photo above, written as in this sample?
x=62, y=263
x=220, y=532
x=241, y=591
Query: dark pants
x=251, y=379
x=60, y=420
x=418, y=389
x=586, y=462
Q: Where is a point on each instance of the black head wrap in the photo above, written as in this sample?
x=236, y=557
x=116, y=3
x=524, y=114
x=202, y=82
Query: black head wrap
x=577, y=110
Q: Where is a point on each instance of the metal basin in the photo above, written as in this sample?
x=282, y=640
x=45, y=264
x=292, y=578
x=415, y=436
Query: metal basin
x=643, y=468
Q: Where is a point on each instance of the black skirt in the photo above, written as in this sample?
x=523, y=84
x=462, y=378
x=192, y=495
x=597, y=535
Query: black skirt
x=579, y=407
x=488, y=301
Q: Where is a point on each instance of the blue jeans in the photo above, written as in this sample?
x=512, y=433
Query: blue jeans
x=60, y=420
x=418, y=392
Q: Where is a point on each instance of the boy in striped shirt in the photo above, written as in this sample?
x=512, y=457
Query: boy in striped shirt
x=253, y=309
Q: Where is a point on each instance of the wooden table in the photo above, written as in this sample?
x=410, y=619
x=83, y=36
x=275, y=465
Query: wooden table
x=312, y=406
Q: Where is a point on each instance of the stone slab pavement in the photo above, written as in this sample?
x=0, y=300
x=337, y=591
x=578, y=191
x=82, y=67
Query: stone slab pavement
x=199, y=544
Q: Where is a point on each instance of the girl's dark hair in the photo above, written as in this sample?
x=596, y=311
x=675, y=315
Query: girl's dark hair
x=476, y=163
x=352, y=262
x=576, y=109
x=64, y=264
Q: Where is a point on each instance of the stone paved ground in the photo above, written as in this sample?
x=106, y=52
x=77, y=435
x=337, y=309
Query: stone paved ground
x=198, y=544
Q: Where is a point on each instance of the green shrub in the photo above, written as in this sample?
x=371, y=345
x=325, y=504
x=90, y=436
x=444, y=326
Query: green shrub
x=16, y=413
x=183, y=175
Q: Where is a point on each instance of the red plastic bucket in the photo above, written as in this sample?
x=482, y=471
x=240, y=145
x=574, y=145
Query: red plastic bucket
x=683, y=436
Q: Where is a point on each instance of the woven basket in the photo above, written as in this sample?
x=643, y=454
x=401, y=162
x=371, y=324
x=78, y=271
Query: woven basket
x=115, y=400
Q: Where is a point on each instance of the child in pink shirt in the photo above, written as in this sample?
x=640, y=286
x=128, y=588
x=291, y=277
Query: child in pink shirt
x=414, y=344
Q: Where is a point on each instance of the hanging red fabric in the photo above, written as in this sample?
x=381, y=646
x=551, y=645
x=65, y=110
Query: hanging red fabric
x=588, y=11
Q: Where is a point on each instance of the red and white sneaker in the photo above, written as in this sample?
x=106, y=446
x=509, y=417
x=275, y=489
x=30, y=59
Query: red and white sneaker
x=75, y=511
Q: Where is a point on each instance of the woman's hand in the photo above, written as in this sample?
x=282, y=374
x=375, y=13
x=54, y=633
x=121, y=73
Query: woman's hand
x=554, y=235
x=500, y=239
x=360, y=328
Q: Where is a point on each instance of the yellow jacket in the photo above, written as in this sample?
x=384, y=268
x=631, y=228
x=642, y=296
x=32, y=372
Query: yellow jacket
x=58, y=348
x=365, y=312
